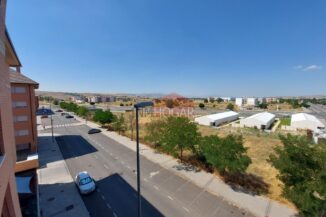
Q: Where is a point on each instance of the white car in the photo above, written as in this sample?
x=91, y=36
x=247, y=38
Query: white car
x=85, y=183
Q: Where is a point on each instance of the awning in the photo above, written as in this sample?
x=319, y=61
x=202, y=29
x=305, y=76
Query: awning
x=23, y=185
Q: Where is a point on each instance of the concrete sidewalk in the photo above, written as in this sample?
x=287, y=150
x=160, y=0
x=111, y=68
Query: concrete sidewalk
x=58, y=195
x=258, y=205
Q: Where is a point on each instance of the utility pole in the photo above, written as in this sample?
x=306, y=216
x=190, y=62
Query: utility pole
x=51, y=121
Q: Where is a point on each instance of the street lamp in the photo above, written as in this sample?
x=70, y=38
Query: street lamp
x=51, y=121
x=137, y=107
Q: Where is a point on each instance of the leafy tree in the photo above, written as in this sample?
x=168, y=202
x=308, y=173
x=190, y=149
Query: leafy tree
x=205, y=100
x=121, y=104
x=225, y=154
x=263, y=105
x=154, y=131
x=92, y=103
x=230, y=106
x=104, y=117
x=219, y=100
x=119, y=124
x=55, y=102
x=82, y=111
x=201, y=105
x=179, y=134
x=211, y=100
x=303, y=170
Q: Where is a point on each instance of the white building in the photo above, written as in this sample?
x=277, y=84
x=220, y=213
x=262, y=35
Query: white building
x=226, y=99
x=306, y=121
x=252, y=101
x=239, y=101
x=263, y=120
x=217, y=119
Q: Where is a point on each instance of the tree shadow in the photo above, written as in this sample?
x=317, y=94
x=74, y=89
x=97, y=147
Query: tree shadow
x=186, y=167
x=246, y=183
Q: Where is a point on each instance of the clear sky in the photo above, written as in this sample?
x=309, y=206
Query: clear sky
x=194, y=48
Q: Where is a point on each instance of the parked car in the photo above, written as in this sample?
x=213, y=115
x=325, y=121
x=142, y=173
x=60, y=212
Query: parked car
x=69, y=116
x=85, y=183
x=92, y=131
x=59, y=110
x=63, y=113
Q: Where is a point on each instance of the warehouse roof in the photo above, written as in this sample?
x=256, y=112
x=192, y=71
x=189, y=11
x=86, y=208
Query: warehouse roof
x=305, y=117
x=263, y=117
x=221, y=115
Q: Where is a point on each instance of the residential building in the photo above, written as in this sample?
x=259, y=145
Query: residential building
x=24, y=105
x=252, y=101
x=9, y=203
x=94, y=99
x=263, y=120
x=217, y=119
x=239, y=102
x=226, y=99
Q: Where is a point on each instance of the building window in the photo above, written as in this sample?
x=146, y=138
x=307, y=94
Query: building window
x=19, y=104
x=21, y=133
x=20, y=118
x=18, y=90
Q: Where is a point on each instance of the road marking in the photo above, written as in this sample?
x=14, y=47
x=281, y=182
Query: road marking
x=145, y=180
x=185, y=209
x=106, y=167
x=170, y=197
x=153, y=174
x=157, y=188
x=95, y=156
x=108, y=205
x=115, y=215
x=103, y=197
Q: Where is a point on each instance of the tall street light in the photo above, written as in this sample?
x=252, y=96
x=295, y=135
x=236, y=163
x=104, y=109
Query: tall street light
x=137, y=107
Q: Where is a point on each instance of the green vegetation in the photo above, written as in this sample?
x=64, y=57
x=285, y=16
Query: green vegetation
x=285, y=121
x=119, y=124
x=263, y=105
x=154, y=130
x=104, y=117
x=225, y=154
x=201, y=105
x=302, y=167
x=295, y=103
x=230, y=106
x=205, y=100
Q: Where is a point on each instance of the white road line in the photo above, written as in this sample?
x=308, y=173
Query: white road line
x=170, y=197
x=103, y=197
x=115, y=215
x=106, y=167
x=185, y=209
x=108, y=205
x=145, y=180
x=157, y=188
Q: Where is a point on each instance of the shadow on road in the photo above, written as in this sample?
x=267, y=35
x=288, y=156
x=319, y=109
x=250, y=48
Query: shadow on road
x=120, y=196
x=74, y=146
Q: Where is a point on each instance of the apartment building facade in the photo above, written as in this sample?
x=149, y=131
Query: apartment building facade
x=9, y=203
x=24, y=105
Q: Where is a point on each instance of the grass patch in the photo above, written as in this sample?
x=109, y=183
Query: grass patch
x=285, y=121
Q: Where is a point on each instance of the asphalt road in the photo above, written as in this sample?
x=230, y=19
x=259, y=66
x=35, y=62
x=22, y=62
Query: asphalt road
x=319, y=111
x=113, y=167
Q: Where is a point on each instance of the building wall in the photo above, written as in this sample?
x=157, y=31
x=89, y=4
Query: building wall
x=30, y=111
x=9, y=204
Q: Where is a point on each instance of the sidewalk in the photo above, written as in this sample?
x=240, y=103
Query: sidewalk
x=258, y=205
x=58, y=195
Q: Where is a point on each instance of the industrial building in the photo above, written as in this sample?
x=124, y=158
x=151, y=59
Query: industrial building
x=217, y=119
x=263, y=120
x=306, y=121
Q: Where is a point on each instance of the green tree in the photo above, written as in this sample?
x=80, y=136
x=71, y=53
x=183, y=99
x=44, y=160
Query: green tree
x=302, y=169
x=104, y=117
x=154, y=131
x=219, y=100
x=82, y=111
x=230, y=106
x=205, y=100
x=55, y=102
x=119, y=124
x=225, y=154
x=211, y=100
x=201, y=105
x=263, y=105
x=179, y=134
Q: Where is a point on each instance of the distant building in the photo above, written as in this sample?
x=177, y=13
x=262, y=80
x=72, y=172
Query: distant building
x=95, y=99
x=261, y=121
x=226, y=99
x=252, y=101
x=78, y=99
x=217, y=119
x=239, y=102
x=306, y=122
x=271, y=99
x=261, y=100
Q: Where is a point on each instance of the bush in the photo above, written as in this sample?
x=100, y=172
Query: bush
x=104, y=117
x=230, y=106
x=201, y=105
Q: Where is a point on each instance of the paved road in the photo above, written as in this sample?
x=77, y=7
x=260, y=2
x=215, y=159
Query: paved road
x=113, y=167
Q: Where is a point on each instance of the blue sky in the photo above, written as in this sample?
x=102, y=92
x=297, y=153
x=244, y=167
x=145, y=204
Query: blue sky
x=194, y=48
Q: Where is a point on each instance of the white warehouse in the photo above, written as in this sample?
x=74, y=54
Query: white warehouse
x=263, y=120
x=306, y=121
x=217, y=119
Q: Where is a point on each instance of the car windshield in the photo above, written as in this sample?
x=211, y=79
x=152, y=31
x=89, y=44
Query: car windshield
x=85, y=181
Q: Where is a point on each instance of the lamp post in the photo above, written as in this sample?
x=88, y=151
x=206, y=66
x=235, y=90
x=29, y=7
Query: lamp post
x=51, y=121
x=137, y=107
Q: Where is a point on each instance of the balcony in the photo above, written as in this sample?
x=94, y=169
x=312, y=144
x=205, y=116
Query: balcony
x=26, y=160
